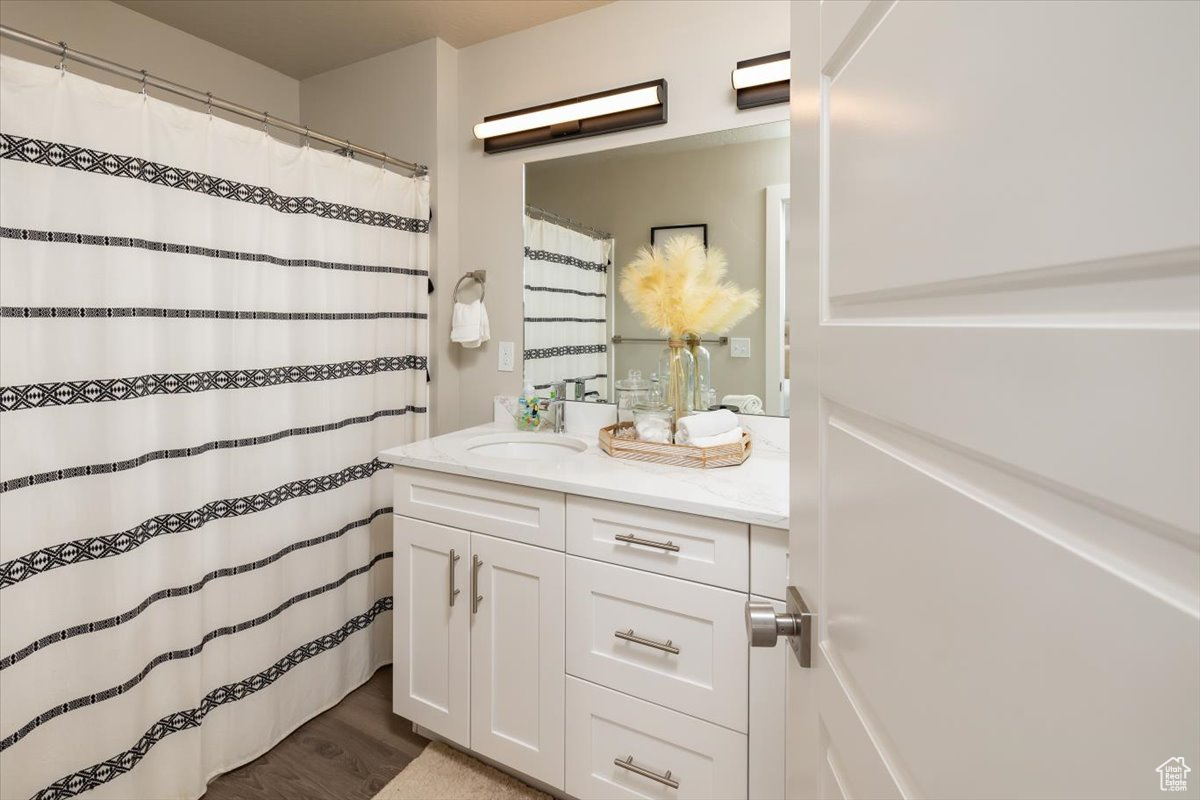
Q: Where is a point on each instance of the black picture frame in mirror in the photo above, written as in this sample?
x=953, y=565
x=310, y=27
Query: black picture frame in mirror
x=701, y=226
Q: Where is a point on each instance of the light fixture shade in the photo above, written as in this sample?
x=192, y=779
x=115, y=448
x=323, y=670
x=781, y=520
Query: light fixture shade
x=763, y=81
x=603, y=112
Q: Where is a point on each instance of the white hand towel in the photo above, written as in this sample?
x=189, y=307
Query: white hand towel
x=469, y=324
x=704, y=424
x=746, y=403
x=485, y=329
x=728, y=437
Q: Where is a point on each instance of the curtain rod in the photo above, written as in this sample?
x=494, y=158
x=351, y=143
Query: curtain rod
x=578, y=227
x=60, y=49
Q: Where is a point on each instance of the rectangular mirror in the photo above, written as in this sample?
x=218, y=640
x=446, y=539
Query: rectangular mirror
x=588, y=215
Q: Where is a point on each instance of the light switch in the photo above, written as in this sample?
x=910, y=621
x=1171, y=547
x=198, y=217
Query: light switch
x=739, y=348
x=506, y=357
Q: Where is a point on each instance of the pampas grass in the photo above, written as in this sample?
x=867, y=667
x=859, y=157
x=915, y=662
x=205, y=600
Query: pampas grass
x=680, y=288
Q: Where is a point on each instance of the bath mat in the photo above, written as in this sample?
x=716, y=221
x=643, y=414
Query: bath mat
x=443, y=773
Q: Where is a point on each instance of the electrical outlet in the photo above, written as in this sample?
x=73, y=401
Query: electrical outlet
x=506, y=357
x=739, y=348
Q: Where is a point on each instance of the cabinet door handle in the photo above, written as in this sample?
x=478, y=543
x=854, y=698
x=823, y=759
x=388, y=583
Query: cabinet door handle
x=476, y=597
x=454, y=557
x=630, y=636
x=665, y=780
x=629, y=538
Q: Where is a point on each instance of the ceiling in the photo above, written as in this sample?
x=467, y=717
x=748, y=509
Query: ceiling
x=302, y=38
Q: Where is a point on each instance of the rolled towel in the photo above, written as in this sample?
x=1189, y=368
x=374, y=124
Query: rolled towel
x=706, y=423
x=746, y=403
x=653, y=429
x=728, y=437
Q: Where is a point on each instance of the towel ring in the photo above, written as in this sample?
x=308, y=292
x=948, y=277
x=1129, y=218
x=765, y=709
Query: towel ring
x=479, y=276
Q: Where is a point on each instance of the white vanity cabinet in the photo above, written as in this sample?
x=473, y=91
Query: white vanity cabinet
x=595, y=646
x=478, y=643
x=431, y=618
x=517, y=630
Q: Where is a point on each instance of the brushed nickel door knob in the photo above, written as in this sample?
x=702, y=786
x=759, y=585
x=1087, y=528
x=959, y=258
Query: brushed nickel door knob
x=765, y=625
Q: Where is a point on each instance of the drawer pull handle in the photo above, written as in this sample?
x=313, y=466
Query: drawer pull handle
x=665, y=780
x=629, y=538
x=476, y=597
x=454, y=557
x=630, y=636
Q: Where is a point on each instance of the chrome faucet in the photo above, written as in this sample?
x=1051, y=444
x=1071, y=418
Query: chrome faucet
x=558, y=407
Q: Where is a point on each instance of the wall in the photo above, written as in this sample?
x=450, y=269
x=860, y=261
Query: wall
x=693, y=45
x=804, y=753
x=404, y=103
x=388, y=104
x=633, y=190
x=110, y=31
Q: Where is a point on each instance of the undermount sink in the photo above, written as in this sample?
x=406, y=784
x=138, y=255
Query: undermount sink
x=525, y=446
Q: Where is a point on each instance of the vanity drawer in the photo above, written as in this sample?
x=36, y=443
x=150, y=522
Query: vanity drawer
x=712, y=551
x=603, y=726
x=533, y=516
x=668, y=641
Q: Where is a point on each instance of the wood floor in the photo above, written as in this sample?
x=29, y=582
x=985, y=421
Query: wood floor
x=347, y=753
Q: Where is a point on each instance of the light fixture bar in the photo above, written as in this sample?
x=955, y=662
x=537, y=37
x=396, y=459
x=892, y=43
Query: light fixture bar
x=584, y=109
x=763, y=81
x=757, y=75
x=604, y=112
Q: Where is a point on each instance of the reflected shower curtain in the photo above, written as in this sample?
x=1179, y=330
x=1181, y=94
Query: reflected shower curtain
x=566, y=307
x=206, y=337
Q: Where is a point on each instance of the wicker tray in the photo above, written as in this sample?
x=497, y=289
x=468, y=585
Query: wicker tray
x=683, y=455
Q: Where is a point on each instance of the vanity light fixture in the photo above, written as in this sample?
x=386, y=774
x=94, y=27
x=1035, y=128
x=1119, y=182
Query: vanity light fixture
x=603, y=112
x=763, y=81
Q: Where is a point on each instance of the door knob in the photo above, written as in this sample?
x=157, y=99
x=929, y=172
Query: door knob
x=765, y=625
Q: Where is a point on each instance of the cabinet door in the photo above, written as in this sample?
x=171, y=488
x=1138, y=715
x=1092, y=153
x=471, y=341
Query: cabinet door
x=431, y=627
x=517, y=657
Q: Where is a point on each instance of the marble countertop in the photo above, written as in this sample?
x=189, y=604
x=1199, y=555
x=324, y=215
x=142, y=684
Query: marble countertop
x=754, y=492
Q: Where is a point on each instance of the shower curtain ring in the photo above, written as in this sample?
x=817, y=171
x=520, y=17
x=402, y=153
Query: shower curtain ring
x=143, y=83
x=208, y=103
x=62, y=58
x=305, y=142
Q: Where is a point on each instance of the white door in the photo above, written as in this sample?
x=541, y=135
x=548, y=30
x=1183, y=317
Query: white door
x=517, y=643
x=1006, y=248
x=431, y=682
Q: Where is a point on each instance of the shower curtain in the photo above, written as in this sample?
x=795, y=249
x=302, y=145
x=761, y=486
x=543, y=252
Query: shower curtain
x=206, y=336
x=566, y=307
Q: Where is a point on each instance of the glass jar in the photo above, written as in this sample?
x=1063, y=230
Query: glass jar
x=703, y=381
x=677, y=377
x=654, y=421
x=630, y=392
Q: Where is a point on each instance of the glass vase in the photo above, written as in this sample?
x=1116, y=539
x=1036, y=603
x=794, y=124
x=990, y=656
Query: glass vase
x=703, y=367
x=677, y=377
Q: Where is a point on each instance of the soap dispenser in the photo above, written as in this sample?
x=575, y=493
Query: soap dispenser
x=528, y=410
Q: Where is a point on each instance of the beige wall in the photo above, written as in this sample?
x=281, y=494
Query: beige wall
x=803, y=775
x=614, y=45
x=478, y=199
x=723, y=186
x=376, y=99
x=114, y=32
x=405, y=103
